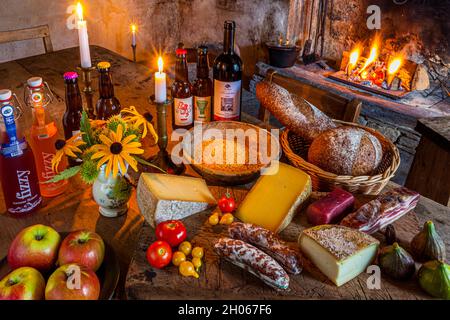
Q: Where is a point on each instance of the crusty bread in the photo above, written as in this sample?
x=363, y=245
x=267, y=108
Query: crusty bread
x=346, y=151
x=293, y=111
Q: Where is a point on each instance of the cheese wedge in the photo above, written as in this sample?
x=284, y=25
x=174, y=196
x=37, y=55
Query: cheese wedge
x=164, y=197
x=275, y=197
x=341, y=253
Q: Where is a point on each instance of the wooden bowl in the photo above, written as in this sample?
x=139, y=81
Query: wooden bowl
x=232, y=174
x=108, y=273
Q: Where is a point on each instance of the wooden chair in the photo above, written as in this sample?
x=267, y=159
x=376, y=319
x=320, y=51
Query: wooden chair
x=28, y=34
x=331, y=104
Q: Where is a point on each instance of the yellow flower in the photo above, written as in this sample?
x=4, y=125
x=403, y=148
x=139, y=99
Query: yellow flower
x=67, y=148
x=97, y=123
x=115, y=152
x=131, y=115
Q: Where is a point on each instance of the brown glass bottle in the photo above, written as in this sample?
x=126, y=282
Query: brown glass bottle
x=203, y=87
x=182, y=94
x=74, y=105
x=107, y=105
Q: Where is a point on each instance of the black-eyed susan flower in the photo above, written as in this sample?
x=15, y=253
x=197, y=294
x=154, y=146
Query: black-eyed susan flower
x=69, y=148
x=116, y=151
x=141, y=121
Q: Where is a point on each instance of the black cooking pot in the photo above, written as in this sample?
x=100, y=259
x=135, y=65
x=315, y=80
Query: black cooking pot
x=282, y=56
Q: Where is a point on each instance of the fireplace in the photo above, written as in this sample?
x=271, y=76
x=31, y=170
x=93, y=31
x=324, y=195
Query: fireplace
x=410, y=31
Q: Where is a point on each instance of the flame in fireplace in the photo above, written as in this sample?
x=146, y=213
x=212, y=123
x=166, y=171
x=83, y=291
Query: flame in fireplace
x=354, y=56
x=373, y=54
x=394, y=65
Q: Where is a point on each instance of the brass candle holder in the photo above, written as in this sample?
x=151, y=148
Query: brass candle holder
x=134, y=52
x=87, y=90
x=162, y=159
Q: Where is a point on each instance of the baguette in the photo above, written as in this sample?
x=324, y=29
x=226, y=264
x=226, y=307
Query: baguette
x=294, y=112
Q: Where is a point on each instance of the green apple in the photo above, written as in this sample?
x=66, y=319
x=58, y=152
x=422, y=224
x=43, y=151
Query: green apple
x=35, y=246
x=24, y=283
x=72, y=282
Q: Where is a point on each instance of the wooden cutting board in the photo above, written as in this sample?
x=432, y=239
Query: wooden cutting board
x=222, y=280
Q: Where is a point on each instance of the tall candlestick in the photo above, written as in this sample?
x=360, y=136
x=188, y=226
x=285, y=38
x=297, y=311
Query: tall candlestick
x=85, y=55
x=160, y=83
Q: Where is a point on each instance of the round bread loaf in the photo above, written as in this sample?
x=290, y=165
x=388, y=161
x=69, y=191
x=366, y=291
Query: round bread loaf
x=346, y=151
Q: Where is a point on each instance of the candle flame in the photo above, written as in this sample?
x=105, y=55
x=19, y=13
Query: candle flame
x=80, y=11
x=133, y=28
x=394, y=65
x=160, y=64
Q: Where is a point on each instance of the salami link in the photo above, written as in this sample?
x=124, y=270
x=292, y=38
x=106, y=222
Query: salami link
x=253, y=260
x=268, y=241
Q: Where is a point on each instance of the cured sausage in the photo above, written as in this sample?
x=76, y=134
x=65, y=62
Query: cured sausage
x=253, y=260
x=268, y=241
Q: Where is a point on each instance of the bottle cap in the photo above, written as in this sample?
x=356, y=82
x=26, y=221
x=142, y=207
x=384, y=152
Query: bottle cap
x=71, y=75
x=202, y=50
x=180, y=51
x=229, y=24
x=34, y=82
x=5, y=94
x=103, y=65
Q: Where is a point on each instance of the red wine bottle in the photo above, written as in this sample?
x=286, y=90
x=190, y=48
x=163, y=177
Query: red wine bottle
x=227, y=74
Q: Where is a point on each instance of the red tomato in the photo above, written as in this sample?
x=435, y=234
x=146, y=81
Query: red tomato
x=171, y=231
x=159, y=254
x=227, y=204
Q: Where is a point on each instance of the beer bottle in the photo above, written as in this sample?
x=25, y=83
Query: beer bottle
x=74, y=105
x=108, y=105
x=202, y=88
x=18, y=174
x=43, y=136
x=227, y=74
x=182, y=94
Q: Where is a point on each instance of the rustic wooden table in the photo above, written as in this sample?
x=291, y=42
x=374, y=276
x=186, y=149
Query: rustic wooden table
x=75, y=209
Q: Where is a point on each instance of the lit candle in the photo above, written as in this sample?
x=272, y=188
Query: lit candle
x=85, y=55
x=133, y=35
x=160, y=83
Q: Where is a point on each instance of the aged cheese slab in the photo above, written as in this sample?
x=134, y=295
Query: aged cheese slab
x=341, y=253
x=164, y=197
x=275, y=198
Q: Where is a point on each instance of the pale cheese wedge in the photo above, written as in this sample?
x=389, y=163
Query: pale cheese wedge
x=341, y=253
x=163, y=197
x=275, y=198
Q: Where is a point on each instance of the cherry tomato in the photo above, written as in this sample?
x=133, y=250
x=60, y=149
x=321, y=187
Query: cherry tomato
x=171, y=231
x=185, y=247
x=187, y=269
x=178, y=257
x=227, y=204
x=197, y=262
x=227, y=218
x=159, y=254
x=197, y=252
x=214, y=219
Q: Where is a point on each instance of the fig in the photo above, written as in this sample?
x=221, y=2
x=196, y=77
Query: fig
x=396, y=262
x=434, y=278
x=427, y=244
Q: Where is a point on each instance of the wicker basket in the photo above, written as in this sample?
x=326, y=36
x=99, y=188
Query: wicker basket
x=296, y=150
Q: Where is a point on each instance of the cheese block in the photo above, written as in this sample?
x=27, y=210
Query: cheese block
x=341, y=253
x=164, y=197
x=275, y=197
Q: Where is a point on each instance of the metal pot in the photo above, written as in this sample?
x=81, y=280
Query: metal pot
x=282, y=56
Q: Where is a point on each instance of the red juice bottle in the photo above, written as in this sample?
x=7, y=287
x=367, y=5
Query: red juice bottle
x=18, y=174
x=43, y=136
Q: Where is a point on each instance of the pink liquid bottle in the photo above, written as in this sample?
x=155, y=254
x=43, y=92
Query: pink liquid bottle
x=17, y=168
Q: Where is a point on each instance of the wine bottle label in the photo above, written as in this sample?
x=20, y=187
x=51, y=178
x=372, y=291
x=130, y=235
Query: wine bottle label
x=227, y=99
x=184, y=110
x=202, y=109
x=11, y=148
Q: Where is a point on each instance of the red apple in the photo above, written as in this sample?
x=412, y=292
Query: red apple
x=72, y=282
x=35, y=246
x=22, y=284
x=82, y=247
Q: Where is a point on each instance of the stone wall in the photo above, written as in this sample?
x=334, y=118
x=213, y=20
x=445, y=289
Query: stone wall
x=161, y=25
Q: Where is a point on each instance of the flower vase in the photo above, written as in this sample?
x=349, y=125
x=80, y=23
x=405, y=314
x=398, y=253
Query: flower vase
x=111, y=194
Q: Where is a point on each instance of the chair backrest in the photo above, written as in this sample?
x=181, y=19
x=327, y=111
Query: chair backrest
x=28, y=34
x=331, y=104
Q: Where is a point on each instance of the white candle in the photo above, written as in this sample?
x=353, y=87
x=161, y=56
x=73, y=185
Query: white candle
x=85, y=55
x=160, y=83
x=133, y=35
